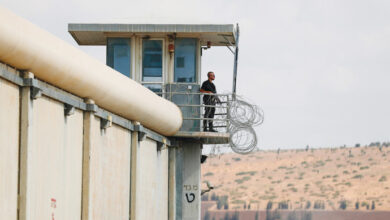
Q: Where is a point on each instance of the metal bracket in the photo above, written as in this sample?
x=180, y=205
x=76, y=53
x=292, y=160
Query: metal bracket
x=141, y=136
x=106, y=122
x=159, y=146
x=36, y=92
x=141, y=132
x=229, y=42
x=69, y=109
x=231, y=50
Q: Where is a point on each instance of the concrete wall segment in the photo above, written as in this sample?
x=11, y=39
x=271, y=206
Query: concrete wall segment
x=109, y=172
x=152, y=182
x=9, y=149
x=50, y=161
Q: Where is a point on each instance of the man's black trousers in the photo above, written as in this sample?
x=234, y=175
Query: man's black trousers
x=209, y=113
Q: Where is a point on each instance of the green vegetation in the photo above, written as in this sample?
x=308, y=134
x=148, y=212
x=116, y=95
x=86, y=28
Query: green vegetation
x=319, y=204
x=359, y=176
x=319, y=163
x=319, y=195
x=348, y=184
x=238, y=201
x=283, y=205
x=383, y=179
x=343, y=204
x=222, y=202
x=335, y=194
x=243, y=179
x=268, y=197
x=252, y=173
x=208, y=174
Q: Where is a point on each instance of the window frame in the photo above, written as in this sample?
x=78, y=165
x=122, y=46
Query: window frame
x=163, y=72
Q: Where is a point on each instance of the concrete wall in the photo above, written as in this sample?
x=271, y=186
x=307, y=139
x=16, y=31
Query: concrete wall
x=68, y=166
x=54, y=162
x=9, y=149
x=108, y=176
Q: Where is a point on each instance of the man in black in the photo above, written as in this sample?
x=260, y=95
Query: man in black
x=209, y=87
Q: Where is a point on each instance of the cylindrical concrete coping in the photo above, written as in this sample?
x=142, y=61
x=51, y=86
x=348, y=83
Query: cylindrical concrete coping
x=28, y=47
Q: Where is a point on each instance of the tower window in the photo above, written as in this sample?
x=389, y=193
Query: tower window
x=185, y=60
x=118, y=55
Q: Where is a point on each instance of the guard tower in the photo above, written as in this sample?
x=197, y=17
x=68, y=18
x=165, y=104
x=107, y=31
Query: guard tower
x=166, y=58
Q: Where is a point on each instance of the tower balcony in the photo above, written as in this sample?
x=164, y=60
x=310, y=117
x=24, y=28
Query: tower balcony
x=190, y=101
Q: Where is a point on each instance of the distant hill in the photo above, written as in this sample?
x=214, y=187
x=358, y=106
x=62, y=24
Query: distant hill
x=329, y=179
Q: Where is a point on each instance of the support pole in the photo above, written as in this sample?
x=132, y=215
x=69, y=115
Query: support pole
x=235, y=62
x=134, y=173
x=26, y=135
x=86, y=196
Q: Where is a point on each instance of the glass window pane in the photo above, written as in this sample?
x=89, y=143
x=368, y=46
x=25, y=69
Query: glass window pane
x=152, y=60
x=185, y=60
x=118, y=55
x=157, y=88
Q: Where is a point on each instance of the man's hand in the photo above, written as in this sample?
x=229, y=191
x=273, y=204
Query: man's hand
x=218, y=100
x=204, y=91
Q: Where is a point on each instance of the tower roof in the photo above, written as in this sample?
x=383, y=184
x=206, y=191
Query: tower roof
x=96, y=34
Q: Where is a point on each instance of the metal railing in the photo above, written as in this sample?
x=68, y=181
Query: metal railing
x=193, y=108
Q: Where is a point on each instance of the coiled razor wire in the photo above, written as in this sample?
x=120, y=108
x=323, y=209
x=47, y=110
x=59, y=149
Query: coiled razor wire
x=243, y=116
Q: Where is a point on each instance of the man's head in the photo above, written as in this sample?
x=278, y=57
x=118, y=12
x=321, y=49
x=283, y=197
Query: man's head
x=211, y=75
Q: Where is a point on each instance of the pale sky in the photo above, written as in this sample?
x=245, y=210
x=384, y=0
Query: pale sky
x=318, y=69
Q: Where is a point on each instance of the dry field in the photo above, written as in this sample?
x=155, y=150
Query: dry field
x=296, y=176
